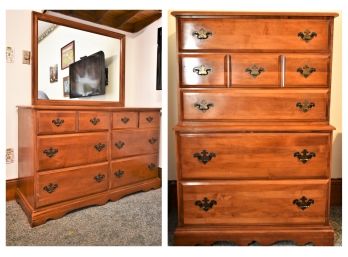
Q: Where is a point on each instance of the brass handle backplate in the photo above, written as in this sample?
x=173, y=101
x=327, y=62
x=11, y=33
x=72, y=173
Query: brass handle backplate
x=204, y=156
x=202, y=70
x=305, y=106
x=151, y=166
x=254, y=70
x=119, y=144
x=99, y=178
x=50, y=188
x=203, y=105
x=307, y=35
x=305, y=71
x=304, y=156
x=119, y=173
x=205, y=204
x=94, y=121
x=303, y=203
x=50, y=152
x=58, y=122
x=152, y=140
x=202, y=34
x=99, y=147
x=125, y=120
x=149, y=119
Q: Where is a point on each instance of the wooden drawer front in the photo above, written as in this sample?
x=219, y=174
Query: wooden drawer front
x=245, y=34
x=207, y=70
x=71, y=150
x=134, y=142
x=149, y=119
x=307, y=71
x=68, y=184
x=254, y=202
x=125, y=120
x=254, y=155
x=51, y=122
x=90, y=121
x=249, y=104
x=134, y=169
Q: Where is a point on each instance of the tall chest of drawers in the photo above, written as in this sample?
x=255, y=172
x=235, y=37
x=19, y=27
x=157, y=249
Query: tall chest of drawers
x=253, y=138
x=72, y=157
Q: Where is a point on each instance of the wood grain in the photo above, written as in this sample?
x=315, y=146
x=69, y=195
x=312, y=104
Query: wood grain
x=48, y=122
x=125, y=120
x=86, y=121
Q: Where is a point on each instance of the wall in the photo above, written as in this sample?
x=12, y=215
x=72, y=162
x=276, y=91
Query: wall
x=336, y=99
x=140, y=77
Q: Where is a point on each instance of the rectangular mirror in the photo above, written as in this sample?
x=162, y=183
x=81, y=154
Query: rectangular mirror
x=76, y=64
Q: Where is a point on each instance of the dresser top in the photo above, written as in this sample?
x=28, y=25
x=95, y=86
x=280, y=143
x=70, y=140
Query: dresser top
x=88, y=108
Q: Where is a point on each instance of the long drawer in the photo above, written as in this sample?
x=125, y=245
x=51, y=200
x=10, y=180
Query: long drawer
x=254, y=155
x=57, y=186
x=255, y=104
x=248, y=34
x=254, y=202
x=70, y=150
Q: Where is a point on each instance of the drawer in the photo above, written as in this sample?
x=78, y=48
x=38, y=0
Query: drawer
x=149, y=119
x=248, y=34
x=281, y=202
x=134, y=142
x=70, y=150
x=254, y=155
x=52, y=122
x=133, y=170
x=67, y=184
x=255, y=104
x=124, y=120
x=91, y=121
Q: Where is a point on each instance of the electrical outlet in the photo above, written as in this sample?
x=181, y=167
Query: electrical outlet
x=9, y=155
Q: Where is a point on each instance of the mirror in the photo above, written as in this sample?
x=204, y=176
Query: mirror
x=76, y=64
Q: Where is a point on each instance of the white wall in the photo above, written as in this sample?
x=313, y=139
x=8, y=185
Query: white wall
x=140, y=76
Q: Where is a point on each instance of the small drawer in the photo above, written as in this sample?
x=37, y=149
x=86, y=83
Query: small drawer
x=124, y=120
x=52, y=122
x=70, y=150
x=67, y=184
x=149, y=119
x=132, y=142
x=254, y=155
x=92, y=121
x=254, y=202
x=133, y=170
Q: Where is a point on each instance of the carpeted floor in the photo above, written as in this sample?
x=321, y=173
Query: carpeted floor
x=133, y=220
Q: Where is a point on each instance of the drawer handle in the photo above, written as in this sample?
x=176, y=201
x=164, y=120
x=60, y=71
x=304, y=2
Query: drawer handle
x=94, y=121
x=119, y=144
x=152, y=140
x=203, y=105
x=204, y=156
x=254, y=70
x=99, y=147
x=119, y=173
x=304, y=156
x=50, y=152
x=125, y=120
x=58, y=122
x=305, y=106
x=50, y=188
x=305, y=71
x=202, y=34
x=303, y=203
x=307, y=35
x=99, y=178
x=151, y=166
x=205, y=204
x=149, y=119
x=202, y=70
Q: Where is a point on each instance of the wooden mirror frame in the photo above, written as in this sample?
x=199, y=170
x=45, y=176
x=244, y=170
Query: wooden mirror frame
x=72, y=24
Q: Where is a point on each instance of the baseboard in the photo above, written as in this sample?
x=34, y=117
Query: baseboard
x=11, y=186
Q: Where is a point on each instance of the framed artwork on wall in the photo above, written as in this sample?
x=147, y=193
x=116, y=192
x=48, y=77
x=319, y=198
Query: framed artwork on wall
x=66, y=86
x=67, y=55
x=54, y=73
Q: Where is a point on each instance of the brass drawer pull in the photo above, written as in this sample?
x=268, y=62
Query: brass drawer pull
x=50, y=152
x=119, y=144
x=99, y=147
x=254, y=70
x=202, y=70
x=125, y=120
x=151, y=166
x=305, y=106
x=304, y=156
x=305, y=71
x=205, y=204
x=99, y=178
x=307, y=35
x=50, y=188
x=94, y=121
x=119, y=173
x=204, y=156
x=149, y=119
x=203, y=105
x=58, y=122
x=202, y=34
x=152, y=140
x=303, y=203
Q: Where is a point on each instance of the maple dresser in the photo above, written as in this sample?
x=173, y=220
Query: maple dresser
x=71, y=157
x=253, y=138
